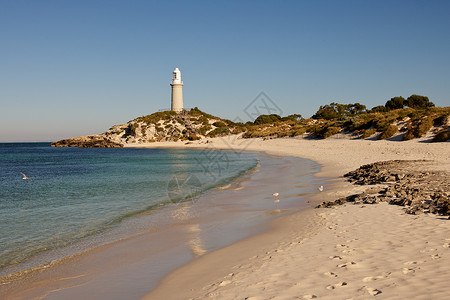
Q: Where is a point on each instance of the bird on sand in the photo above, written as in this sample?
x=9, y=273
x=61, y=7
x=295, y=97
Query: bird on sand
x=25, y=177
x=275, y=195
x=320, y=188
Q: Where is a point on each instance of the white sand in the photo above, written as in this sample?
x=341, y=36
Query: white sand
x=349, y=252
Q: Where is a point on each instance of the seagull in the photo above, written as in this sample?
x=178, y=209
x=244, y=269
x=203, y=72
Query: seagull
x=275, y=195
x=25, y=177
x=320, y=188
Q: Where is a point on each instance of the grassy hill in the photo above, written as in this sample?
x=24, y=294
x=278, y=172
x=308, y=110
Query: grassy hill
x=353, y=120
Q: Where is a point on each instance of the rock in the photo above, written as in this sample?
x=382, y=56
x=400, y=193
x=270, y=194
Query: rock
x=412, y=188
x=90, y=141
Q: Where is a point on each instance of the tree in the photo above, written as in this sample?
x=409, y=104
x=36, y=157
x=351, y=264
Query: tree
x=267, y=119
x=379, y=108
x=294, y=117
x=417, y=101
x=356, y=108
x=339, y=111
x=395, y=103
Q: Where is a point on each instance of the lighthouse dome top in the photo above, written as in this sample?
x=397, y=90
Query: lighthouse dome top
x=176, y=76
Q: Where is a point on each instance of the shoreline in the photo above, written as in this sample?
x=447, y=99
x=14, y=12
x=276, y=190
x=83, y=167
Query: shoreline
x=247, y=277
x=290, y=231
x=229, y=214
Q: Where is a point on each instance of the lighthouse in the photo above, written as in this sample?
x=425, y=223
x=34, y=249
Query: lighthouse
x=177, y=91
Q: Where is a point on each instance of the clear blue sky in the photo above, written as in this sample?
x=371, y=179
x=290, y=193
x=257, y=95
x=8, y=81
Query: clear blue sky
x=70, y=68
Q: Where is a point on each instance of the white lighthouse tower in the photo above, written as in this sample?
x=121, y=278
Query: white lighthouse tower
x=177, y=91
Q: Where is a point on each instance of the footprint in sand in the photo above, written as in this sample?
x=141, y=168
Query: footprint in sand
x=446, y=245
x=413, y=262
x=373, y=278
x=372, y=291
x=339, y=284
x=225, y=283
x=435, y=256
x=335, y=257
x=331, y=274
x=345, y=265
x=408, y=271
x=341, y=246
x=309, y=296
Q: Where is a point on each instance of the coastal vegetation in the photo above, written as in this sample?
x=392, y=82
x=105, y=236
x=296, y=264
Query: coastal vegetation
x=399, y=119
x=408, y=118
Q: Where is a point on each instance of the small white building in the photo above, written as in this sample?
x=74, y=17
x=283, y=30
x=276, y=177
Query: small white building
x=177, y=91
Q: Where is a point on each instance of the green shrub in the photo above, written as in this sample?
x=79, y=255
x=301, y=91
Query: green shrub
x=419, y=129
x=368, y=133
x=219, y=131
x=204, y=129
x=424, y=126
x=439, y=121
x=408, y=135
x=155, y=117
x=327, y=132
x=389, y=132
x=193, y=137
x=441, y=136
x=219, y=124
x=384, y=122
x=299, y=131
x=204, y=120
x=267, y=119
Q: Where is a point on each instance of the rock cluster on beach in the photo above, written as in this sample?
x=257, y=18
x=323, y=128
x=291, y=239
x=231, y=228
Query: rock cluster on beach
x=402, y=184
x=90, y=141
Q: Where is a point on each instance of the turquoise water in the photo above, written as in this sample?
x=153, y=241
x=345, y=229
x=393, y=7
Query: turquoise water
x=74, y=193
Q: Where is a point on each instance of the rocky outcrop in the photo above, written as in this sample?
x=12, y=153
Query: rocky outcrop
x=407, y=183
x=90, y=141
x=163, y=126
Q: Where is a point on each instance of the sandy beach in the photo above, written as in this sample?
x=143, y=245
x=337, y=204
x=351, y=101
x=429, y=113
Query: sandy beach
x=344, y=252
x=348, y=252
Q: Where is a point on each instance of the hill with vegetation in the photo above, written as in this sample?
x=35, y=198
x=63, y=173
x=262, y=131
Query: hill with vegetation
x=399, y=119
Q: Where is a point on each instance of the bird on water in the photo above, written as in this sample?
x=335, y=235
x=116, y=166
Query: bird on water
x=25, y=177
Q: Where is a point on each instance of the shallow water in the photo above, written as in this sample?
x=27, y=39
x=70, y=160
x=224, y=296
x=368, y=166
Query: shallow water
x=129, y=258
x=74, y=193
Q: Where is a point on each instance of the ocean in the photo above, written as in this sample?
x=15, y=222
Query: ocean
x=77, y=193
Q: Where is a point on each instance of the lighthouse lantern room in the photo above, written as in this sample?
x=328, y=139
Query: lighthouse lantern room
x=177, y=91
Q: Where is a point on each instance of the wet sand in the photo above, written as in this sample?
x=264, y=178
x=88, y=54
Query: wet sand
x=154, y=244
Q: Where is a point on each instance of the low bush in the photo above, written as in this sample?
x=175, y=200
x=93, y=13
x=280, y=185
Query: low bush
x=193, y=137
x=389, y=132
x=441, y=136
x=219, y=131
x=419, y=129
x=368, y=133
x=219, y=124
x=327, y=132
